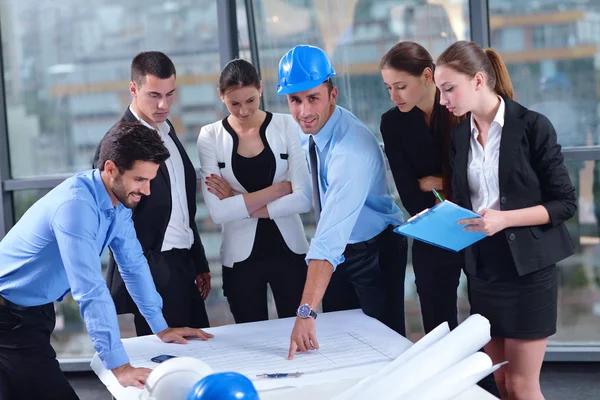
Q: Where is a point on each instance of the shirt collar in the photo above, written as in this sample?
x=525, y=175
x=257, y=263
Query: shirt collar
x=104, y=200
x=322, y=137
x=498, y=118
x=163, y=127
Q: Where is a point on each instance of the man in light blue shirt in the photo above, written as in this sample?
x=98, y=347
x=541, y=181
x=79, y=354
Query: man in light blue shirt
x=355, y=260
x=55, y=249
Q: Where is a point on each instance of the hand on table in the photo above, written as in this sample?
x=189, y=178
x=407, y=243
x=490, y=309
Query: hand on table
x=179, y=335
x=130, y=376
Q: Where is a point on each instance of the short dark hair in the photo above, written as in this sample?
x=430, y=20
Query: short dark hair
x=128, y=142
x=329, y=84
x=238, y=73
x=151, y=63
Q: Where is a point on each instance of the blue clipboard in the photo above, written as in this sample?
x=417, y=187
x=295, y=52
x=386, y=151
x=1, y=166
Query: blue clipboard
x=439, y=226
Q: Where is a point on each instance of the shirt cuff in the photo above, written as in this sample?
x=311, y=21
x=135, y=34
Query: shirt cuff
x=315, y=252
x=115, y=358
x=157, y=324
x=229, y=209
x=273, y=210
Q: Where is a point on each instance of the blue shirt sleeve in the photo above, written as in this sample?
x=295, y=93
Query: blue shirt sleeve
x=136, y=275
x=75, y=225
x=350, y=177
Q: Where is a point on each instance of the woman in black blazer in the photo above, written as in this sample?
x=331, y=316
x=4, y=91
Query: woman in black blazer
x=416, y=135
x=508, y=167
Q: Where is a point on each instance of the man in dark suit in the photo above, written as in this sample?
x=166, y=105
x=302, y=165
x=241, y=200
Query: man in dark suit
x=165, y=220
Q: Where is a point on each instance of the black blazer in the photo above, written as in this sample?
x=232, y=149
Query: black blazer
x=151, y=218
x=413, y=153
x=531, y=172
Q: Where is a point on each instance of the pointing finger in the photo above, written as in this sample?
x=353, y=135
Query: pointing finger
x=293, y=348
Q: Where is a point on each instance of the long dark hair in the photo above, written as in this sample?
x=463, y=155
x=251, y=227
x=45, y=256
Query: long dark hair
x=238, y=73
x=412, y=58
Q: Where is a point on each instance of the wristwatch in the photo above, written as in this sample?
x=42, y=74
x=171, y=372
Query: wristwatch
x=305, y=311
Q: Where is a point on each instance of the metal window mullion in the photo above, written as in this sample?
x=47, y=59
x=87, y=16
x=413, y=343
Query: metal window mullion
x=228, y=31
x=253, y=40
x=7, y=216
x=479, y=18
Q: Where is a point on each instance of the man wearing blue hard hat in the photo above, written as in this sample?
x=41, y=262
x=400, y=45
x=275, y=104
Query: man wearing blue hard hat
x=355, y=260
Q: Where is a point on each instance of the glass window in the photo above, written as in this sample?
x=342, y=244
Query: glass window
x=67, y=73
x=579, y=275
x=356, y=34
x=67, y=81
x=552, y=66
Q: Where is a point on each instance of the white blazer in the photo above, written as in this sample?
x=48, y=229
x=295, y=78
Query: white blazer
x=215, y=150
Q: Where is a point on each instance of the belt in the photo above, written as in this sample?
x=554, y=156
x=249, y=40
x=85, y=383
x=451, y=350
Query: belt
x=8, y=304
x=177, y=251
x=365, y=245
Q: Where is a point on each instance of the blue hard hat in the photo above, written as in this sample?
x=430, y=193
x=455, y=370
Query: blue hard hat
x=223, y=386
x=303, y=68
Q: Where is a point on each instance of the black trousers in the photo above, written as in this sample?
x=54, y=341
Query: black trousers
x=372, y=278
x=437, y=275
x=175, y=278
x=28, y=366
x=245, y=285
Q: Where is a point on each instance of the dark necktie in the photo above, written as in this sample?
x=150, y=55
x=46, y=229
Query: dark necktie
x=314, y=171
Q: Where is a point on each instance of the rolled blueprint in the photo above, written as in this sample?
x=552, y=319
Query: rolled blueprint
x=425, y=342
x=462, y=342
x=450, y=383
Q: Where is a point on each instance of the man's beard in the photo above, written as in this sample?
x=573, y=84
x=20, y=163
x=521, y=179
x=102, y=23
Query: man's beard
x=122, y=195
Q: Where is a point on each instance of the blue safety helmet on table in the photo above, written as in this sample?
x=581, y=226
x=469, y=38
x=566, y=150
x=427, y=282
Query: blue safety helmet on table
x=303, y=68
x=224, y=386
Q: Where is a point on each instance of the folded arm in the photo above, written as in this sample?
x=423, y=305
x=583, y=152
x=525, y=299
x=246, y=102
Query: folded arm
x=299, y=200
x=225, y=205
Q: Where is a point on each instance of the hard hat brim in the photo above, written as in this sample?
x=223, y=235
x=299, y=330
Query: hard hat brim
x=302, y=86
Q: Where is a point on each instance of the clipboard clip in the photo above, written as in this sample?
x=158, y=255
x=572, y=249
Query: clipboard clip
x=414, y=218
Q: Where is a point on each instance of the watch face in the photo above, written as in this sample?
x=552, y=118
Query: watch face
x=304, y=311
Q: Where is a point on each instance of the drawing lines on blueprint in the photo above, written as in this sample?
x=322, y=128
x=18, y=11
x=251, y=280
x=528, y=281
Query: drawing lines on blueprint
x=337, y=351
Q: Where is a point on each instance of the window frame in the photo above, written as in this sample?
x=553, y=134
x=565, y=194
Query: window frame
x=228, y=38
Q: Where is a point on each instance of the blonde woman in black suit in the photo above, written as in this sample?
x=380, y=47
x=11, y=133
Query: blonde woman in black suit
x=256, y=185
x=508, y=167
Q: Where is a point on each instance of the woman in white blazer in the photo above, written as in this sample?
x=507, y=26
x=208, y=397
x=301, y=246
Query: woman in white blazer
x=256, y=186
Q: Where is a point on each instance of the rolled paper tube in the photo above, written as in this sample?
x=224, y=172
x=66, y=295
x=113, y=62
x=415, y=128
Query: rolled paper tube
x=462, y=342
x=425, y=342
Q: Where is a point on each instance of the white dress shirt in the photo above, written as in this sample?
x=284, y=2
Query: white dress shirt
x=178, y=234
x=482, y=172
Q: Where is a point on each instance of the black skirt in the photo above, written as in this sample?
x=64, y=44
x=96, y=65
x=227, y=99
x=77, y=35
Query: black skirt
x=518, y=307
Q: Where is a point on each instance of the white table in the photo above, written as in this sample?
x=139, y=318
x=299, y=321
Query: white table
x=352, y=346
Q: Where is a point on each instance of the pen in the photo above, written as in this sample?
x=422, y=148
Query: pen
x=281, y=375
x=437, y=194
